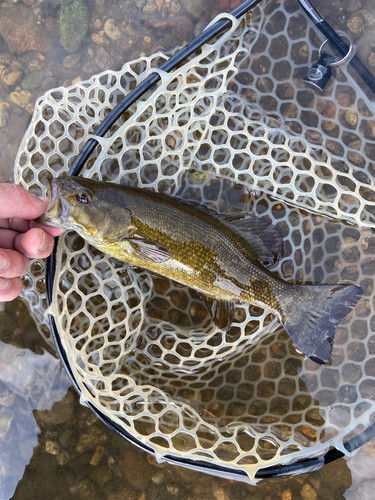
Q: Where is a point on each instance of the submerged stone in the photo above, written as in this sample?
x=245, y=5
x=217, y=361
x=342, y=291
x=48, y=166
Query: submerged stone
x=74, y=23
x=21, y=31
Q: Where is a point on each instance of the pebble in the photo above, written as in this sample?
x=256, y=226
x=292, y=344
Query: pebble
x=52, y=447
x=140, y=3
x=91, y=440
x=353, y=5
x=63, y=457
x=33, y=80
x=4, y=117
x=100, y=39
x=103, y=59
x=172, y=489
x=308, y=492
x=149, y=8
x=111, y=30
x=356, y=26
x=74, y=23
x=102, y=474
x=12, y=78
x=72, y=61
x=351, y=117
x=371, y=59
x=158, y=478
x=97, y=455
x=286, y=495
x=21, y=98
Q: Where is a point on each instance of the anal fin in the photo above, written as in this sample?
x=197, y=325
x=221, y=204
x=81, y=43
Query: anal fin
x=222, y=311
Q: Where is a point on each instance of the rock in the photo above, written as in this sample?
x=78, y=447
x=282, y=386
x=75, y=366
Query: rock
x=356, y=26
x=181, y=29
x=150, y=7
x=87, y=490
x=72, y=61
x=351, y=117
x=21, y=31
x=100, y=39
x=97, y=456
x=308, y=492
x=371, y=59
x=158, y=478
x=33, y=80
x=137, y=469
x=91, y=440
x=63, y=457
x=12, y=78
x=103, y=59
x=21, y=98
x=49, y=83
x=111, y=30
x=172, y=488
x=52, y=447
x=353, y=5
x=4, y=117
x=197, y=8
x=60, y=413
x=140, y=3
x=74, y=24
x=101, y=474
x=6, y=419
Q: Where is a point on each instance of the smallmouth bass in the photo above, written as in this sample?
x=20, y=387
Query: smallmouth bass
x=223, y=257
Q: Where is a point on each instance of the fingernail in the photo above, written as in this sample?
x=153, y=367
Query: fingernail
x=4, y=284
x=44, y=243
x=4, y=262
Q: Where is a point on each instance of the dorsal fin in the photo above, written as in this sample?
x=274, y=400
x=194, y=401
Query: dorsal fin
x=263, y=237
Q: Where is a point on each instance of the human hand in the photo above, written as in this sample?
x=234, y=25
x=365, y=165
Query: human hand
x=21, y=238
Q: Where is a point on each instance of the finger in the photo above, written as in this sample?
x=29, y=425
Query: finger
x=53, y=231
x=16, y=224
x=35, y=244
x=22, y=225
x=17, y=202
x=12, y=264
x=10, y=289
x=7, y=238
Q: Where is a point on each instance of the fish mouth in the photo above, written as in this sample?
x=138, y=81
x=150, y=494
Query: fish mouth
x=57, y=210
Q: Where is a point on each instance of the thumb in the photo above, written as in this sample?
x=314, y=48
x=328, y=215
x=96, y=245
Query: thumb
x=17, y=202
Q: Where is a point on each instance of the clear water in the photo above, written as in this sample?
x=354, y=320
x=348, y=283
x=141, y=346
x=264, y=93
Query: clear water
x=62, y=451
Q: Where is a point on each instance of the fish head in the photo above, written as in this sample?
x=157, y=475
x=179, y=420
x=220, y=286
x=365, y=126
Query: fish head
x=93, y=209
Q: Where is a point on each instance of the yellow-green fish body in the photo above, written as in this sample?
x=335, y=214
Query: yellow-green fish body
x=221, y=257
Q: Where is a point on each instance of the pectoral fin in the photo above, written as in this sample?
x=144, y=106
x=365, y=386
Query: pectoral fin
x=222, y=311
x=149, y=250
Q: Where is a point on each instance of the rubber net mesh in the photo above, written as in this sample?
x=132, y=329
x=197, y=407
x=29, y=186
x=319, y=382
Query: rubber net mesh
x=236, y=130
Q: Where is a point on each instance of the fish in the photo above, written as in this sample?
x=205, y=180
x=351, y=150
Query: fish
x=224, y=257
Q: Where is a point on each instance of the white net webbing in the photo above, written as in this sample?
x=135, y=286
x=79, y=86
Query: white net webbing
x=234, y=129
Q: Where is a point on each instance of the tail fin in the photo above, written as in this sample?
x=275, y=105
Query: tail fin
x=312, y=314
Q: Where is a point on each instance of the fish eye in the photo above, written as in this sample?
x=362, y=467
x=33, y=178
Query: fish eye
x=83, y=198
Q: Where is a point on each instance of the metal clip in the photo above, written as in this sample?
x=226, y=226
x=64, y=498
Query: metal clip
x=320, y=72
